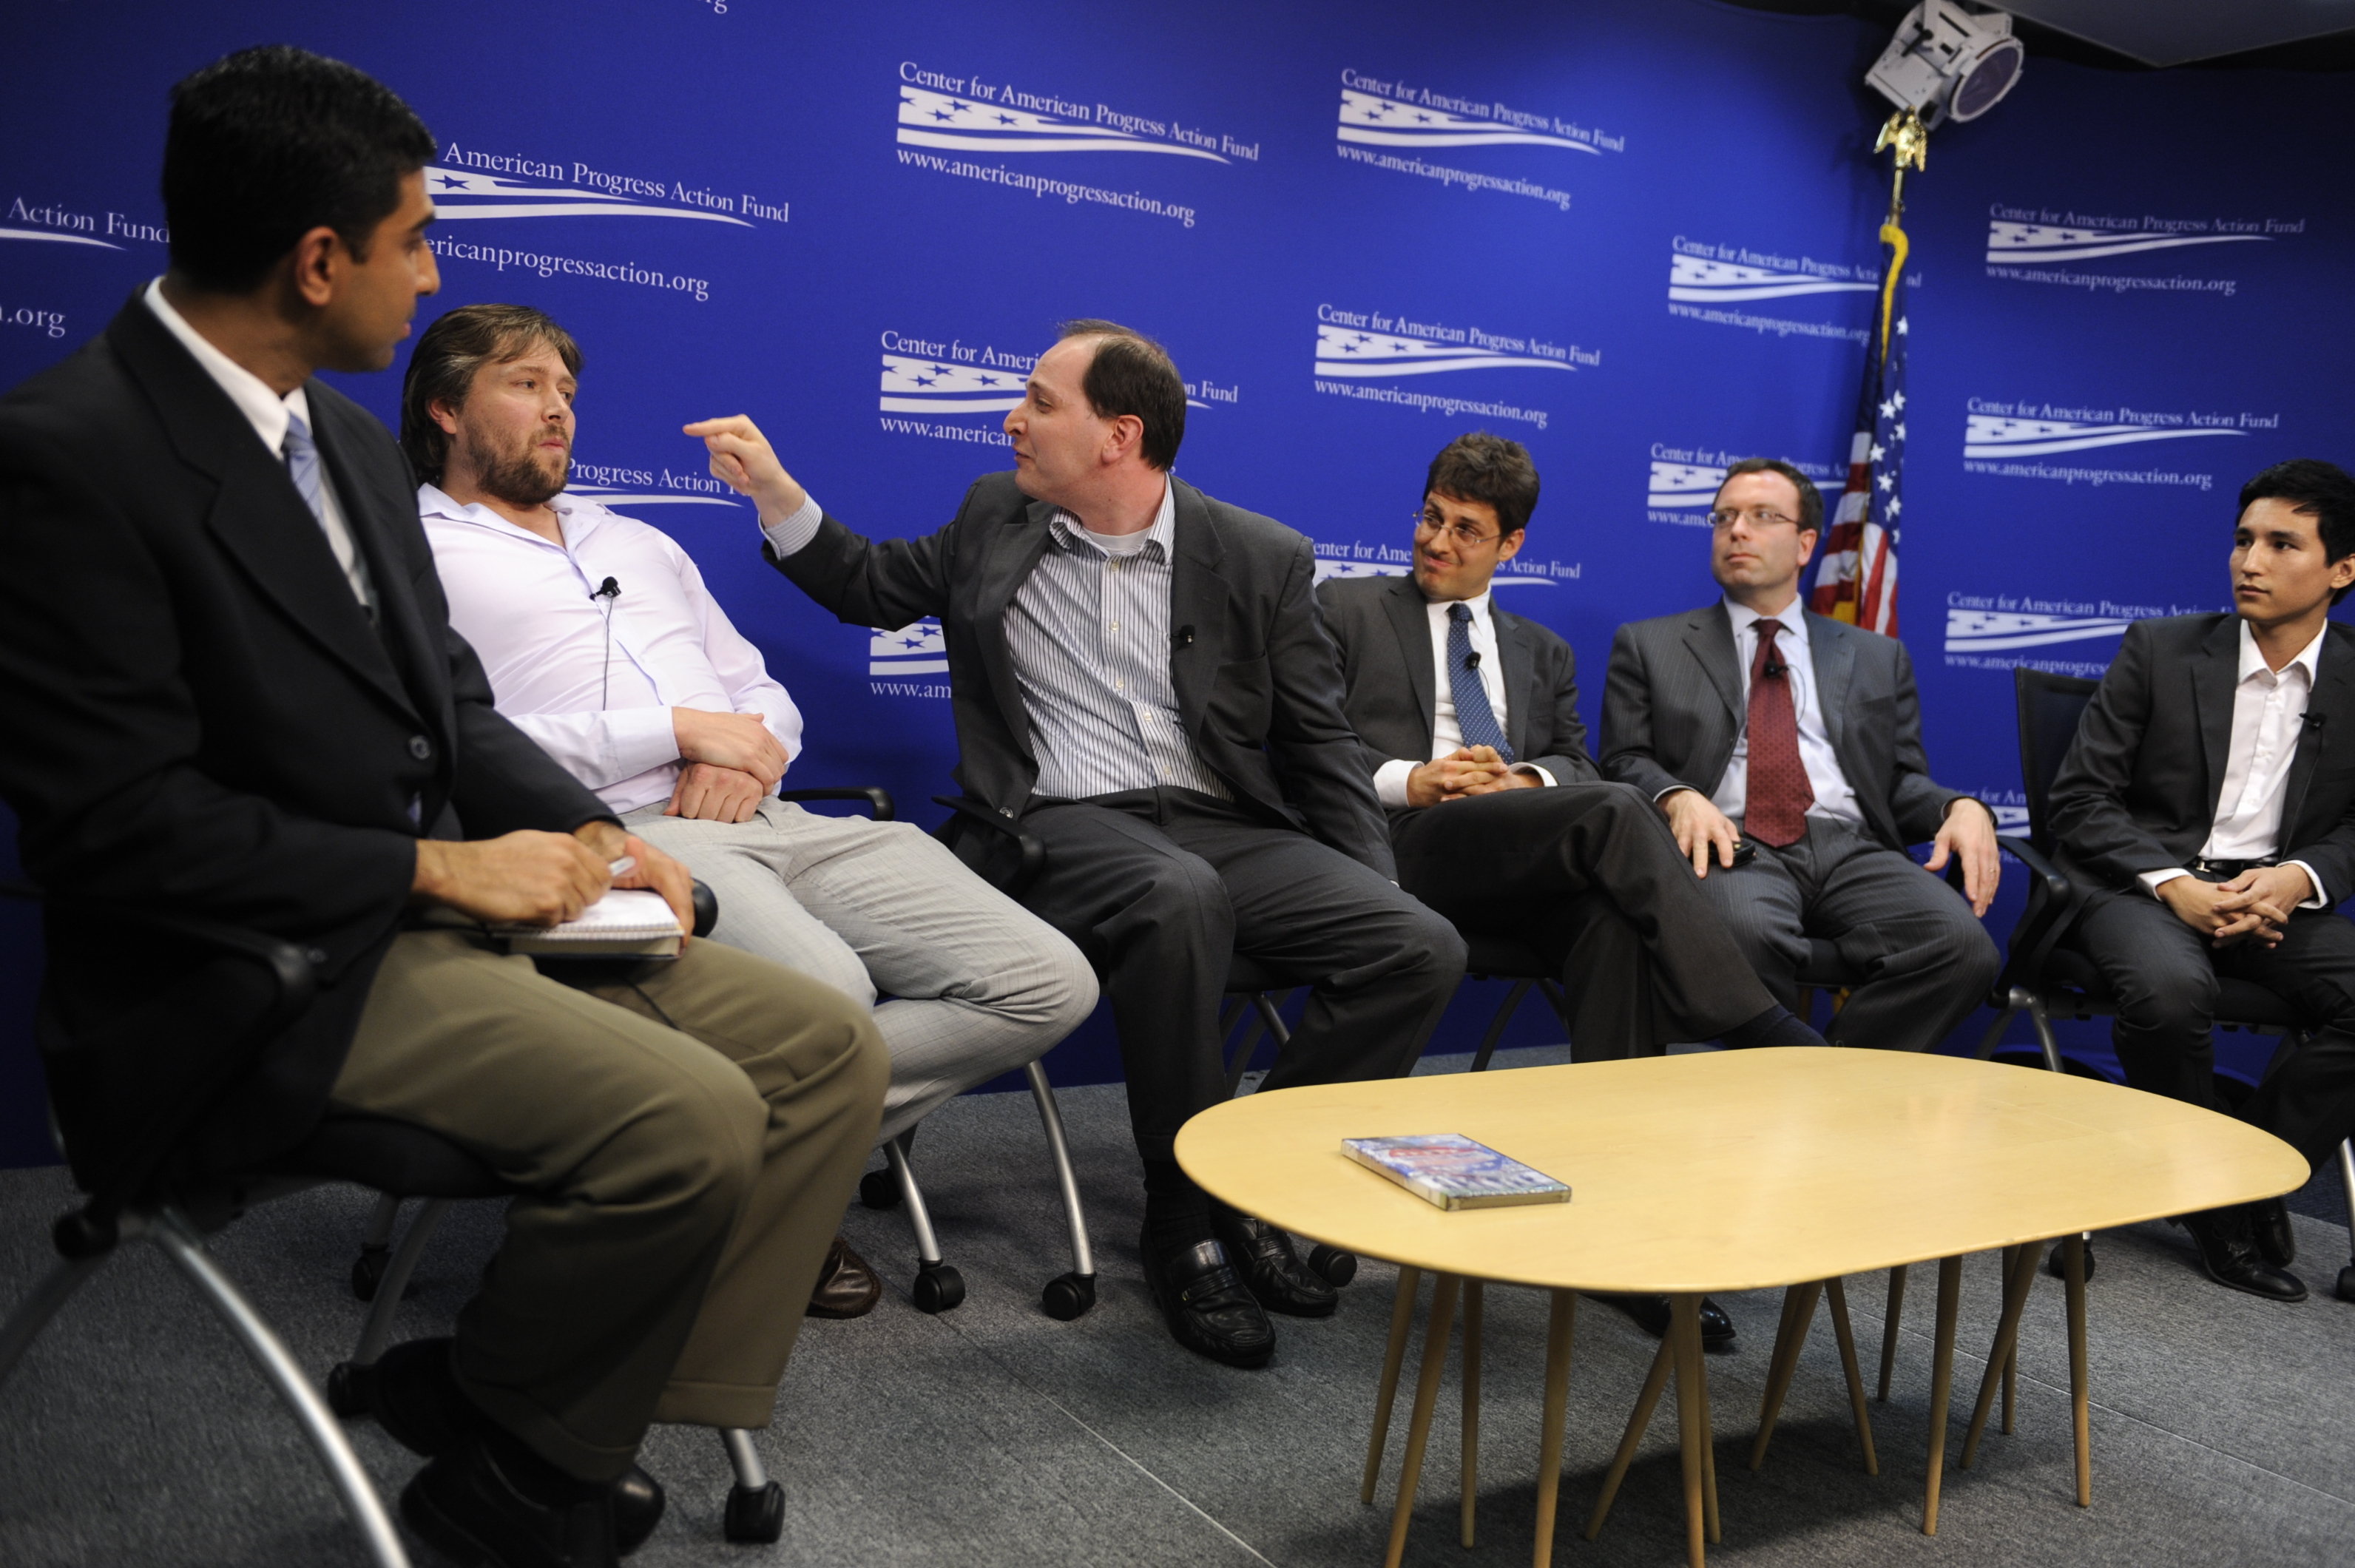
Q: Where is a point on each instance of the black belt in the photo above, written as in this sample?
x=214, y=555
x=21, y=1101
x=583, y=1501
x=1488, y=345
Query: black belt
x=2222, y=870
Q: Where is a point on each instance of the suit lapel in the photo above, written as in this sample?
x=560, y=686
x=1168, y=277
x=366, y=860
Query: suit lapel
x=1013, y=552
x=399, y=628
x=1513, y=647
x=1198, y=604
x=2329, y=711
x=2215, y=672
x=257, y=513
x=1409, y=618
x=1709, y=635
x=1832, y=652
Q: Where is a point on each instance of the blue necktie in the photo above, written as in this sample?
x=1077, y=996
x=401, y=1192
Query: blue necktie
x=303, y=464
x=1474, y=717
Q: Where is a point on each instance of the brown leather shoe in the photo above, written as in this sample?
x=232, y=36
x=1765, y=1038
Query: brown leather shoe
x=847, y=1287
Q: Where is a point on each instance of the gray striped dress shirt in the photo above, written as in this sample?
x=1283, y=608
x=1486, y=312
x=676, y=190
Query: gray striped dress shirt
x=1089, y=634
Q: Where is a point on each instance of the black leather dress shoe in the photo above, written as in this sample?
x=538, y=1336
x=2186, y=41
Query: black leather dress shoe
x=1650, y=1313
x=847, y=1286
x=2228, y=1253
x=1207, y=1307
x=2270, y=1229
x=1271, y=1271
x=473, y=1513
x=418, y=1404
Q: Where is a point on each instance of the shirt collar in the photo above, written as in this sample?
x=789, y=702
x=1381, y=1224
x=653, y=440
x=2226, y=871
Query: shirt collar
x=1162, y=535
x=264, y=409
x=1477, y=605
x=580, y=514
x=1794, y=617
x=2252, y=660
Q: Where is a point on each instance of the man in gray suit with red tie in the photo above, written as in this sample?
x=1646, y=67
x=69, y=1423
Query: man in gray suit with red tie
x=1784, y=748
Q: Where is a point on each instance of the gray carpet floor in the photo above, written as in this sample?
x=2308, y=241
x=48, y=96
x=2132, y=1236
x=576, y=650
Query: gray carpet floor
x=135, y=1433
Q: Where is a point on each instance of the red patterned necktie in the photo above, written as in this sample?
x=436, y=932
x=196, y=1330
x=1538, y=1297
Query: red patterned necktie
x=1775, y=811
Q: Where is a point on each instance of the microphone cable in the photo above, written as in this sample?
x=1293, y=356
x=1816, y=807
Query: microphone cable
x=609, y=590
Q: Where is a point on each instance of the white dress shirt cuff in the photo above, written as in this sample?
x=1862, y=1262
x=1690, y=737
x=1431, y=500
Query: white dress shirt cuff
x=639, y=739
x=2312, y=881
x=2151, y=880
x=1544, y=778
x=1389, y=781
x=788, y=536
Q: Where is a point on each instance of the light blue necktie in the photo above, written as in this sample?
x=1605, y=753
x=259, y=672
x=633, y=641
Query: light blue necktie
x=303, y=464
x=1474, y=717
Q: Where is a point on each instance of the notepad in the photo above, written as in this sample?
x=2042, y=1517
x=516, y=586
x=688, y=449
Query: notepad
x=1456, y=1172
x=627, y=922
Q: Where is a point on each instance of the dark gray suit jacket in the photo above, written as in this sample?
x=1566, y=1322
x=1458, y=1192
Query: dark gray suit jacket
x=1672, y=709
x=1258, y=687
x=2140, y=786
x=1383, y=628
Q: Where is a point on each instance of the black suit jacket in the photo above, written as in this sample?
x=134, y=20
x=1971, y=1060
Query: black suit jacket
x=1258, y=689
x=201, y=716
x=2141, y=785
x=1672, y=709
x=1382, y=626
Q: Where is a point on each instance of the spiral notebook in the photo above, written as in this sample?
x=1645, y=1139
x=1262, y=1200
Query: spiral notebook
x=627, y=922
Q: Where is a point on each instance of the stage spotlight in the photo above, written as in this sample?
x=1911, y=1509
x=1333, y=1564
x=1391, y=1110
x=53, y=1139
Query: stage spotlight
x=1948, y=62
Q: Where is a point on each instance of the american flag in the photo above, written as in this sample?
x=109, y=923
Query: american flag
x=1857, y=579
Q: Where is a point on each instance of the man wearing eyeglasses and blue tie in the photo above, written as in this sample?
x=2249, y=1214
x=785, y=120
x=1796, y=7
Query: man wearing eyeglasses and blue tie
x=1784, y=750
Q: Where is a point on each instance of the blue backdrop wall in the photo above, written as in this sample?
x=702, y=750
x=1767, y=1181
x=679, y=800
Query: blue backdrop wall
x=1636, y=235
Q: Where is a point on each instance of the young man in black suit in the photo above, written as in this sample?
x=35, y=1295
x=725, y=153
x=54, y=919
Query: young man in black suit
x=1139, y=678
x=231, y=691
x=1467, y=716
x=2208, y=804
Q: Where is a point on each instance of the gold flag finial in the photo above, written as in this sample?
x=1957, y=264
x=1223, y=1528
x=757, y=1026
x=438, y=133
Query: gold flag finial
x=1906, y=133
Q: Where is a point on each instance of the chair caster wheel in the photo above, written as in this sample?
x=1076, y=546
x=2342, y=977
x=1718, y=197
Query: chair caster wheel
x=1337, y=1267
x=1067, y=1295
x=2346, y=1282
x=880, y=1189
x=2057, y=1269
x=938, y=1288
x=367, y=1271
x=350, y=1390
x=755, y=1517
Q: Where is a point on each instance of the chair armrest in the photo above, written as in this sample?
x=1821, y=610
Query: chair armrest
x=877, y=799
x=1033, y=854
x=2053, y=902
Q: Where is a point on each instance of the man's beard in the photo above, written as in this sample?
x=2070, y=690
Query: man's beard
x=520, y=478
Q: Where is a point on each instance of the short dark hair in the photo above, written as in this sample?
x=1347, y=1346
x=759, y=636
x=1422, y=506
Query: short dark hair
x=269, y=143
x=1811, y=500
x=2321, y=490
x=458, y=343
x=1130, y=374
x=1488, y=469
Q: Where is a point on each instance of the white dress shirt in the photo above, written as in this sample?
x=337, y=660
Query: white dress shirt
x=2268, y=716
x=531, y=611
x=268, y=412
x=1447, y=732
x=1833, y=795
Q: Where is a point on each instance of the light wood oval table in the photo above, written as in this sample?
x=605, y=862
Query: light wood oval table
x=1733, y=1170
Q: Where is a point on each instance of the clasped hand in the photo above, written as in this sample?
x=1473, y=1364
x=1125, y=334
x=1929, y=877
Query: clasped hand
x=2254, y=906
x=1466, y=771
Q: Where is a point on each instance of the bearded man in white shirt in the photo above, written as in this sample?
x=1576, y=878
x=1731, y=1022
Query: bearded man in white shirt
x=602, y=644
x=2208, y=807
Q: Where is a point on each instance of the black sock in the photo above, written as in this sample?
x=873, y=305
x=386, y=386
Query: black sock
x=536, y=1477
x=1776, y=1026
x=1176, y=1212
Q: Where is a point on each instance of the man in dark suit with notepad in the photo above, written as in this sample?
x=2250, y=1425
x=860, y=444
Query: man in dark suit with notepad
x=232, y=692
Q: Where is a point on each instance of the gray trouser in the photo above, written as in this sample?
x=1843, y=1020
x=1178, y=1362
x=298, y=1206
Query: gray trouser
x=978, y=985
x=1927, y=960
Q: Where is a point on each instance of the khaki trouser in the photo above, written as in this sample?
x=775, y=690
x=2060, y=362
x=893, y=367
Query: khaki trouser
x=685, y=1145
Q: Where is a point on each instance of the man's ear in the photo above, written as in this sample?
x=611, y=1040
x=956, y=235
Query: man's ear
x=1808, y=547
x=2342, y=573
x=315, y=263
x=440, y=411
x=1127, y=433
x=1510, y=545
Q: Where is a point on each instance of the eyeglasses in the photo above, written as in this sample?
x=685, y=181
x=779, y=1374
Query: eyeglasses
x=1758, y=516
x=1431, y=522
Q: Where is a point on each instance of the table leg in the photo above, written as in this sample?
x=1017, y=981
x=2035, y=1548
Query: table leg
x=1684, y=1329
x=2017, y=1278
x=1707, y=1432
x=1889, y=1330
x=1559, y=1323
x=1410, y=1279
x=1838, y=1293
x=1637, y=1420
x=2073, y=1260
x=1941, y=1381
x=1798, y=1312
x=1426, y=1395
x=1469, y=1491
